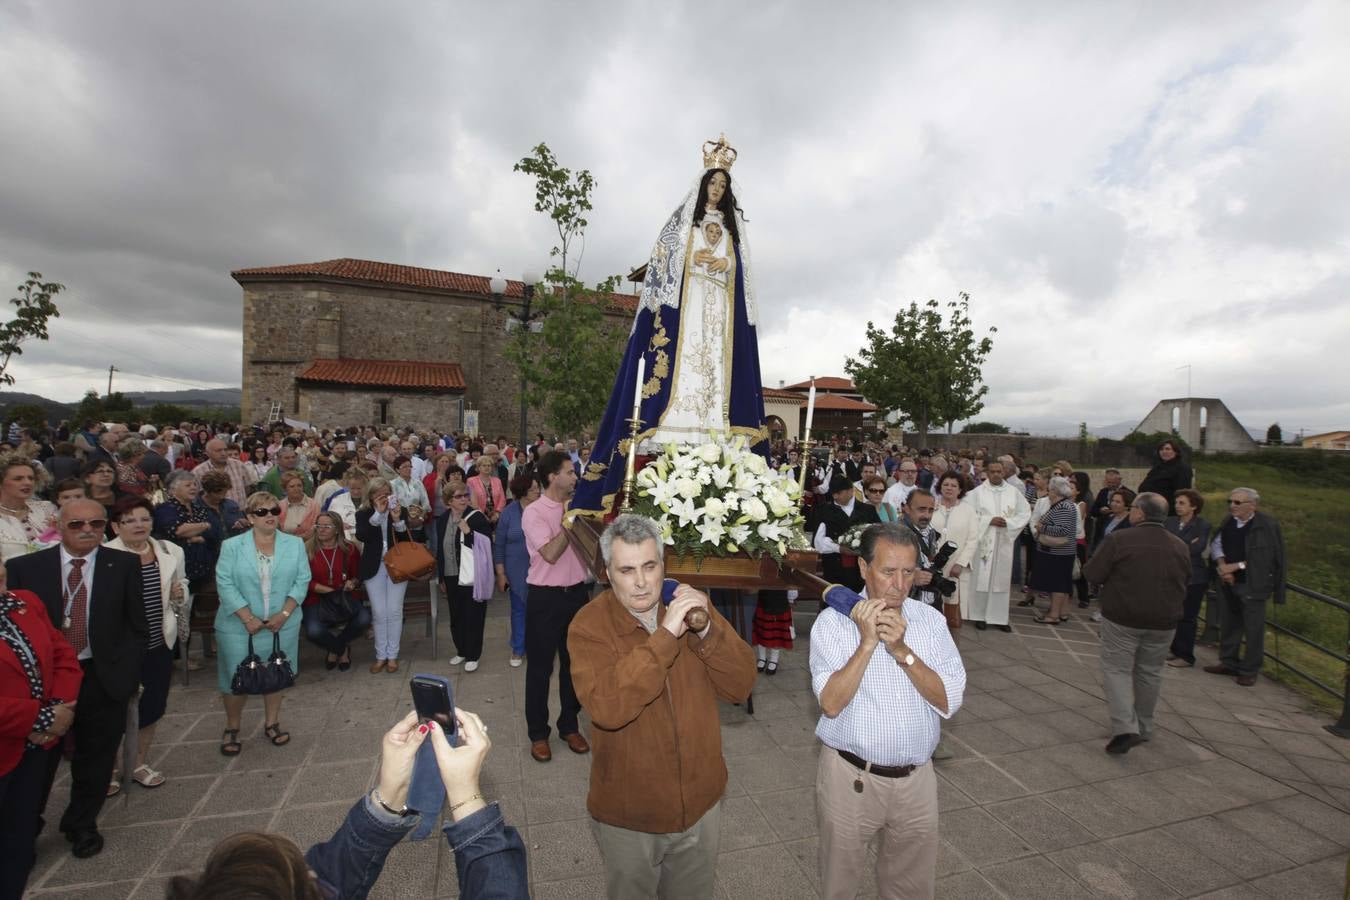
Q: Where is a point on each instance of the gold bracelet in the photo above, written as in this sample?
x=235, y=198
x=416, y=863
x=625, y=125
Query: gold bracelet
x=466, y=800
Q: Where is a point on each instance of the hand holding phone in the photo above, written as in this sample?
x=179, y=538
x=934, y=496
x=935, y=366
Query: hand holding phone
x=433, y=702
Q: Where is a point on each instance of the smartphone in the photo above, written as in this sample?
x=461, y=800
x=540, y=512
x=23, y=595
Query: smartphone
x=432, y=700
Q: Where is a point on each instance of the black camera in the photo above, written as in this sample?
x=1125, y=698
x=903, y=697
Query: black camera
x=943, y=585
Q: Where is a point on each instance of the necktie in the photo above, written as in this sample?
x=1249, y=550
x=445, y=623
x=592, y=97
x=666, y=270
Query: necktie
x=77, y=632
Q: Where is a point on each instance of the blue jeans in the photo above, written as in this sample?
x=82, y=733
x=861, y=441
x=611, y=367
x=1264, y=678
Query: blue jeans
x=489, y=855
x=518, y=618
x=318, y=633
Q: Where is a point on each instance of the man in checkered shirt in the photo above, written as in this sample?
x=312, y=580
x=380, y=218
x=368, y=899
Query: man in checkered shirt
x=884, y=676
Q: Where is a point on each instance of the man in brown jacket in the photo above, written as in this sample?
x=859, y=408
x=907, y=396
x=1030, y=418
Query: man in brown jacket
x=651, y=686
x=1143, y=571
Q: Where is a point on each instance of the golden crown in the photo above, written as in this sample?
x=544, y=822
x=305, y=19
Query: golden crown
x=718, y=154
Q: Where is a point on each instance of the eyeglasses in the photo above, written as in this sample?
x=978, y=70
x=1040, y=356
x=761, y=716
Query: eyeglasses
x=325, y=525
x=1237, y=502
x=876, y=490
x=265, y=511
x=91, y=524
x=459, y=496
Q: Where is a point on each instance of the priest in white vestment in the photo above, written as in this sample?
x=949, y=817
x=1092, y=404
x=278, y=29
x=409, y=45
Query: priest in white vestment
x=1001, y=512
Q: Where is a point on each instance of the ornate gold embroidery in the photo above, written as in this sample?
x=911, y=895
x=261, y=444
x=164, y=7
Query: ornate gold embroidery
x=661, y=364
x=595, y=471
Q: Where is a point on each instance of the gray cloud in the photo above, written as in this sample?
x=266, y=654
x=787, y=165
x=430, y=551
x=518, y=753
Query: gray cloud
x=1106, y=169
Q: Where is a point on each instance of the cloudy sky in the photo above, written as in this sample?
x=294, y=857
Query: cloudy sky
x=1124, y=189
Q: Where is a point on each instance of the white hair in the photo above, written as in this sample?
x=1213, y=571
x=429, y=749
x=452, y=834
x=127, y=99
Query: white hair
x=631, y=529
x=1060, y=487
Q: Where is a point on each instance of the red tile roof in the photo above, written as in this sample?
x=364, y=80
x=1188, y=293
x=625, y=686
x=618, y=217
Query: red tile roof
x=390, y=373
x=841, y=404
x=776, y=394
x=827, y=383
x=363, y=271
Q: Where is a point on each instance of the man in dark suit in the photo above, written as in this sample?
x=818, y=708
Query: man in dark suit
x=93, y=594
x=1248, y=550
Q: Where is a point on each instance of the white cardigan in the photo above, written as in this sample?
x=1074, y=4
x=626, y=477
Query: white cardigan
x=172, y=569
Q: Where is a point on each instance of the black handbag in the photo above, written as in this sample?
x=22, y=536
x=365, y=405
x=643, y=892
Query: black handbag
x=337, y=608
x=253, y=676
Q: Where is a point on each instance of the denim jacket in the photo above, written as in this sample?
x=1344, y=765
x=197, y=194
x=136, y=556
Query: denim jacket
x=489, y=854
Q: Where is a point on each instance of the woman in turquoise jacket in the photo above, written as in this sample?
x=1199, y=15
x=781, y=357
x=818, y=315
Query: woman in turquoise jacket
x=262, y=577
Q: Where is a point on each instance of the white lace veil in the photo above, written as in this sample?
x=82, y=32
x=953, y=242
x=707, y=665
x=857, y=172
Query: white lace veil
x=665, y=267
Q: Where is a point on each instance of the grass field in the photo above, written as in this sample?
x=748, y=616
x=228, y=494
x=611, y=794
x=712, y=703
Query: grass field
x=1310, y=495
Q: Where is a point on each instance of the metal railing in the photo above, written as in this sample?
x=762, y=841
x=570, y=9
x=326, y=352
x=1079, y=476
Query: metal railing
x=1342, y=727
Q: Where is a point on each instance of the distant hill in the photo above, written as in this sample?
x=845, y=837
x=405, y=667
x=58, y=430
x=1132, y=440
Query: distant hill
x=197, y=398
x=193, y=397
x=56, y=411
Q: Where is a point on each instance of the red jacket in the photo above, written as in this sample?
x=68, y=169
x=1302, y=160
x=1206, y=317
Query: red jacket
x=345, y=566
x=61, y=676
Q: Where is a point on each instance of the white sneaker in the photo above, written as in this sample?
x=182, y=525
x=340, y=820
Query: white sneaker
x=1096, y=615
x=516, y=661
x=471, y=666
x=456, y=660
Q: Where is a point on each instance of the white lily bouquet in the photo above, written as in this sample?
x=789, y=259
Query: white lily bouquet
x=721, y=498
x=851, y=540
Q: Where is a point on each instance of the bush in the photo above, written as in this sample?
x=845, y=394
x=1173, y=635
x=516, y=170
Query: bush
x=985, y=428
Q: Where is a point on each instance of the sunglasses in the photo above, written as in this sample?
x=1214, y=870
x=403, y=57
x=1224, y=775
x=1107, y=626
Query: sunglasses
x=265, y=511
x=1236, y=502
x=875, y=491
x=91, y=524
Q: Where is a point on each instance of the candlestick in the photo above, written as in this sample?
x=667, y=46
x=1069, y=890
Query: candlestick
x=810, y=406
x=630, y=464
x=637, y=390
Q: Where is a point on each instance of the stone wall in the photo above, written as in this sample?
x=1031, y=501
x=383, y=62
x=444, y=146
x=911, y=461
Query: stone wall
x=289, y=324
x=326, y=406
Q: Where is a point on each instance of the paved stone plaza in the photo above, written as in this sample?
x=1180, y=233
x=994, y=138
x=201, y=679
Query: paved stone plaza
x=1240, y=795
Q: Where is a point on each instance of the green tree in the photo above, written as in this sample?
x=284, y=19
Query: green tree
x=1274, y=435
x=89, y=409
x=28, y=415
x=168, y=414
x=985, y=428
x=925, y=369
x=35, y=308
x=569, y=354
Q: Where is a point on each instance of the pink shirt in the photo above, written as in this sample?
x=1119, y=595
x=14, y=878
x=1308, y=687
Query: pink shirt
x=541, y=522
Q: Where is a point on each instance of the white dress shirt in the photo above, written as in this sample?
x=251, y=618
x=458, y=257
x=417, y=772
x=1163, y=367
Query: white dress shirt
x=888, y=722
x=67, y=598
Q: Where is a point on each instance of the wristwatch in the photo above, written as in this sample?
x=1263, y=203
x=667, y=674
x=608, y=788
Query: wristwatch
x=907, y=661
x=1242, y=566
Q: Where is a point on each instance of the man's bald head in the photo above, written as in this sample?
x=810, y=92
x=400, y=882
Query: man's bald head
x=82, y=524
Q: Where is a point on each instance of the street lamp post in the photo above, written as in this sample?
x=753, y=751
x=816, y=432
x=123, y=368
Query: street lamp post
x=526, y=320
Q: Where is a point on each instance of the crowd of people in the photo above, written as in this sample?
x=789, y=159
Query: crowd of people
x=114, y=538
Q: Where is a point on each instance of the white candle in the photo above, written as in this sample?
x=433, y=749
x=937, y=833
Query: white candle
x=637, y=390
x=810, y=406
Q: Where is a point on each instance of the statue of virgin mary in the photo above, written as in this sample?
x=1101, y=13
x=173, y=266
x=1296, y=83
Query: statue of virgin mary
x=695, y=332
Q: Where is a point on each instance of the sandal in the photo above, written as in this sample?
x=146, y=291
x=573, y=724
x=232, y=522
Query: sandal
x=278, y=737
x=147, y=777
x=1045, y=620
x=115, y=786
x=229, y=742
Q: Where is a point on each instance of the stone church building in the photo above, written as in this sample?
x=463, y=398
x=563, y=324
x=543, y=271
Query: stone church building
x=353, y=342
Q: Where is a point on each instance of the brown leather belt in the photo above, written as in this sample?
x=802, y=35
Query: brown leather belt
x=883, y=771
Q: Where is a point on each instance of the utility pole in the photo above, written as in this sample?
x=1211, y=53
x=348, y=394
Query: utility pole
x=1187, y=367
x=111, y=370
